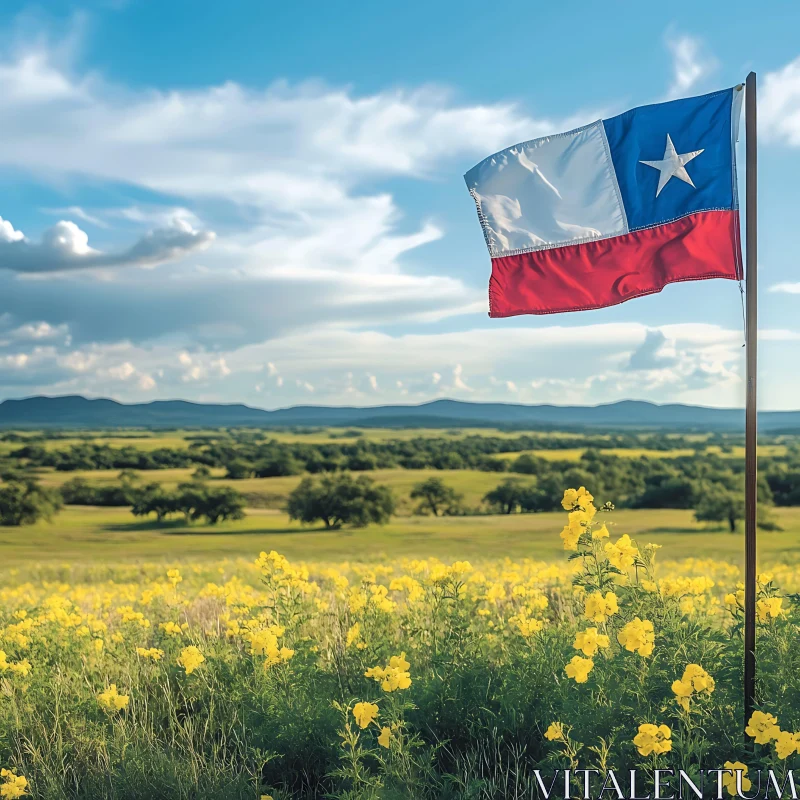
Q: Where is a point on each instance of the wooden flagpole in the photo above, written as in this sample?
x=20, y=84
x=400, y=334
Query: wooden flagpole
x=751, y=427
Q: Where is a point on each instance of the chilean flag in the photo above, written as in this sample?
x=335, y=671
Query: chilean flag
x=616, y=209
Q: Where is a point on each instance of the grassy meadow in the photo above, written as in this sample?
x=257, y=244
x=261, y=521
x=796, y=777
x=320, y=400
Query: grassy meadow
x=433, y=658
x=91, y=534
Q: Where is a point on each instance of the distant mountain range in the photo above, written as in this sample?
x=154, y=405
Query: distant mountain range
x=80, y=412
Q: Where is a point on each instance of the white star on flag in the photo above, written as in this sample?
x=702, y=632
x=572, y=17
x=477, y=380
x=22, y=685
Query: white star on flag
x=672, y=164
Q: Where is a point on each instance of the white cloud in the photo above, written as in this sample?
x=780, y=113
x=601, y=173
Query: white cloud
x=80, y=213
x=65, y=246
x=436, y=378
x=123, y=371
x=146, y=383
x=691, y=64
x=373, y=382
x=779, y=105
x=786, y=288
x=221, y=367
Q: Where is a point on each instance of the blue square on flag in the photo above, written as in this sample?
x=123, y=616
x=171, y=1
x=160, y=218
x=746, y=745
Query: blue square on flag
x=672, y=159
x=614, y=210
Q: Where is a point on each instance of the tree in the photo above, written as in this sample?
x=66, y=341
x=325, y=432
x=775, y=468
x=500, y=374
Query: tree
x=25, y=502
x=202, y=473
x=436, y=498
x=153, y=499
x=238, y=469
x=506, y=497
x=194, y=500
x=527, y=464
x=720, y=505
x=277, y=465
x=338, y=499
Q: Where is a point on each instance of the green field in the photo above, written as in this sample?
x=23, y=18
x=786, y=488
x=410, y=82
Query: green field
x=272, y=493
x=112, y=534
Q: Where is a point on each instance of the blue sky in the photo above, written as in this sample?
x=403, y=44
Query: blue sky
x=264, y=202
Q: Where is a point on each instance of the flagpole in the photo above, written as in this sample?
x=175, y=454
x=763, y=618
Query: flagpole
x=751, y=427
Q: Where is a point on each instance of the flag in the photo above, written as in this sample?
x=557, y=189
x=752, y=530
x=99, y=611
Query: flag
x=614, y=210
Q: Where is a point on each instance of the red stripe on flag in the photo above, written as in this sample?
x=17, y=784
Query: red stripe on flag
x=610, y=271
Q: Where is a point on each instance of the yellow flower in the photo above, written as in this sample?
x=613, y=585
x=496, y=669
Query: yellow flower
x=392, y=677
x=555, y=732
x=622, y=553
x=13, y=785
x=171, y=628
x=576, y=497
x=655, y=739
x=353, y=635
x=111, y=700
x=589, y=640
x=729, y=781
x=385, y=736
x=600, y=533
x=98, y=645
x=695, y=679
x=787, y=743
x=579, y=669
x=638, y=637
x=598, y=608
x=365, y=713
x=769, y=608
x=266, y=797
x=174, y=576
x=153, y=653
x=190, y=659
x=762, y=727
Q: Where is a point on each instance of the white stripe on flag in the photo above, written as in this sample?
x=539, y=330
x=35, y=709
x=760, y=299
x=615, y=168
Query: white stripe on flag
x=548, y=192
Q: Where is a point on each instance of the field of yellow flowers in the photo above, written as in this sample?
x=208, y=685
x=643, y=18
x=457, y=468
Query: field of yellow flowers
x=411, y=679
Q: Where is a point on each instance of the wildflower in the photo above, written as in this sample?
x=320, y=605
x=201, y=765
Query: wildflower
x=598, y=608
x=174, y=576
x=153, y=653
x=266, y=797
x=762, y=727
x=695, y=679
x=98, y=645
x=527, y=626
x=21, y=667
x=654, y=739
x=392, y=677
x=579, y=669
x=769, y=608
x=600, y=533
x=381, y=600
x=171, y=628
x=589, y=641
x=13, y=785
x=622, y=553
x=353, y=634
x=787, y=743
x=385, y=736
x=112, y=700
x=729, y=781
x=638, y=637
x=190, y=659
x=555, y=732
x=576, y=497
x=365, y=713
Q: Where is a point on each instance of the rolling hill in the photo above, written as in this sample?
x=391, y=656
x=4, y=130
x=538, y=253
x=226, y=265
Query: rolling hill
x=81, y=412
